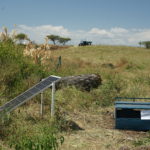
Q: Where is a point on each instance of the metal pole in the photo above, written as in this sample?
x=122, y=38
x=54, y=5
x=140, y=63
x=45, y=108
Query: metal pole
x=42, y=102
x=53, y=100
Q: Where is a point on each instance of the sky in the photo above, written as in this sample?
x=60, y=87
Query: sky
x=112, y=22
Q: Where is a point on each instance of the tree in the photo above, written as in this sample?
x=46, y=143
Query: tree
x=145, y=43
x=21, y=37
x=63, y=40
x=140, y=43
x=53, y=38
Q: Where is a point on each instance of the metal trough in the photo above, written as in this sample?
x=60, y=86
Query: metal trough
x=132, y=115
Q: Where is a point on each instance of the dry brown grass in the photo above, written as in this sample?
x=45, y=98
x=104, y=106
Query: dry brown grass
x=122, y=62
x=98, y=128
x=98, y=133
x=132, y=64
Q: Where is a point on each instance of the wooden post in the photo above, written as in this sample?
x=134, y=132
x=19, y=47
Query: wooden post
x=53, y=100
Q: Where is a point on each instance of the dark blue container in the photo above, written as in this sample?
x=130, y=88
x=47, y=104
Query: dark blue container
x=132, y=115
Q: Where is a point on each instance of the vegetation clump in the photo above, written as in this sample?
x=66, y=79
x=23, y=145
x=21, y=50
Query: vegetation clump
x=16, y=70
x=145, y=43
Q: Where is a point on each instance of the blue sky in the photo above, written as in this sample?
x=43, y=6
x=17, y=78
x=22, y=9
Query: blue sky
x=116, y=22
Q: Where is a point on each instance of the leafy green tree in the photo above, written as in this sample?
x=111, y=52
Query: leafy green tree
x=21, y=37
x=145, y=43
x=53, y=38
x=63, y=40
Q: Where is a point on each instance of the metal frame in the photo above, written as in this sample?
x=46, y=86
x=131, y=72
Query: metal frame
x=53, y=100
x=7, y=109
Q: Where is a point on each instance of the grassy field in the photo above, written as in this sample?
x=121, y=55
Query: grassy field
x=125, y=71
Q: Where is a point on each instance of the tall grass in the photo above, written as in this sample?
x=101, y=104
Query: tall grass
x=17, y=74
x=129, y=77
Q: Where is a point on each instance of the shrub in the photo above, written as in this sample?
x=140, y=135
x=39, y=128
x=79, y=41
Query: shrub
x=44, y=142
x=15, y=70
x=43, y=136
x=111, y=88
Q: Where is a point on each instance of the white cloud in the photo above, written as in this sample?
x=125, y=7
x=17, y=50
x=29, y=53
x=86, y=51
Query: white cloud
x=45, y=29
x=113, y=36
x=101, y=32
x=140, y=35
x=118, y=30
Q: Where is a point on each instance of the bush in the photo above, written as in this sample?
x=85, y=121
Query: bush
x=43, y=136
x=111, y=88
x=44, y=142
x=15, y=70
x=71, y=98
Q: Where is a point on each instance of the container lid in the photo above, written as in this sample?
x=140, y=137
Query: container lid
x=131, y=105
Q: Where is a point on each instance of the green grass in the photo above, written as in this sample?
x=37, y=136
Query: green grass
x=128, y=75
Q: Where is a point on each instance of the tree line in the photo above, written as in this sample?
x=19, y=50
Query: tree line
x=146, y=44
x=21, y=37
x=54, y=38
